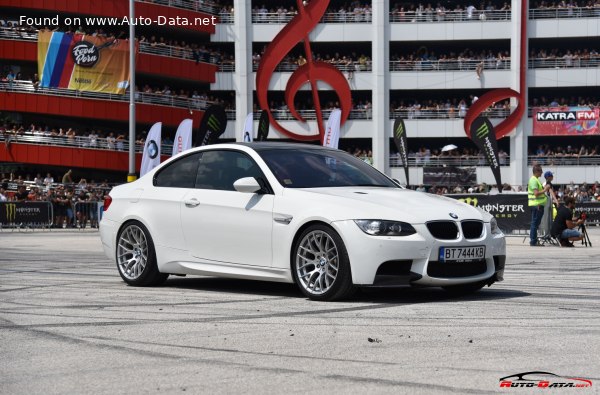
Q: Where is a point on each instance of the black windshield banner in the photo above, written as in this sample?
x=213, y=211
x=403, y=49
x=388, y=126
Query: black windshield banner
x=402, y=144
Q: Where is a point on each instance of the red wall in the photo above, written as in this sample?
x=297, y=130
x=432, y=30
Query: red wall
x=94, y=108
x=18, y=50
x=146, y=63
x=116, y=8
x=69, y=157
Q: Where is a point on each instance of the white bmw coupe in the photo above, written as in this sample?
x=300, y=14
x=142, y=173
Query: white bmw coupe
x=299, y=213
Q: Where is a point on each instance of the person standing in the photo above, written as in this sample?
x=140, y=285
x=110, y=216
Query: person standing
x=537, y=198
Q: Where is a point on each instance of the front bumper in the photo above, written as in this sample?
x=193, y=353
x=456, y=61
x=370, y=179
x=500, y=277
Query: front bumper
x=413, y=260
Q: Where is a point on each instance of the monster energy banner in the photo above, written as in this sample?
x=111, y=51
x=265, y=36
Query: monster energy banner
x=484, y=136
x=401, y=142
x=510, y=210
x=263, y=126
x=591, y=210
x=25, y=212
x=449, y=176
x=212, y=126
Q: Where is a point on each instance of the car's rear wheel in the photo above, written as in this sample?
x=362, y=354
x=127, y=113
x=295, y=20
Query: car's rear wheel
x=136, y=257
x=320, y=264
x=465, y=289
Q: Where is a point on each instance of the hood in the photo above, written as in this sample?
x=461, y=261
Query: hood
x=399, y=204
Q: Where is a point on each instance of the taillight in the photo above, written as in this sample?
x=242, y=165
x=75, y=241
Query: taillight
x=107, y=202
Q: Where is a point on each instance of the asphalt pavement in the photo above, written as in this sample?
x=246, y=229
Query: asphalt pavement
x=70, y=325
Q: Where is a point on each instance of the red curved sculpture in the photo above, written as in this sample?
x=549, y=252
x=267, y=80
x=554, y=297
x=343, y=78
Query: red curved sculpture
x=295, y=31
x=489, y=98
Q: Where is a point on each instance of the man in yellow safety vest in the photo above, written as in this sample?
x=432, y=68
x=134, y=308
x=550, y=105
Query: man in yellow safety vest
x=536, y=194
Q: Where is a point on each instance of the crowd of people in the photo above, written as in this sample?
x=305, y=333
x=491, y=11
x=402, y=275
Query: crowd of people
x=345, y=62
x=89, y=138
x=73, y=204
x=455, y=11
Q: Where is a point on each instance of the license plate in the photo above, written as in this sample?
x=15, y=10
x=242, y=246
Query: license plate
x=462, y=254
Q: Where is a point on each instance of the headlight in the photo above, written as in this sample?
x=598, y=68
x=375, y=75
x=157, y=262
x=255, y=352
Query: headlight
x=378, y=227
x=494, y=224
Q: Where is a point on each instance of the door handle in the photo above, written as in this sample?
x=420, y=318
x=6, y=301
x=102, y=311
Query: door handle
x=191, y=202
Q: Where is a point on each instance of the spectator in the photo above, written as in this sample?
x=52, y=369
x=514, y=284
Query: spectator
x=67, y=179
x=10, y=77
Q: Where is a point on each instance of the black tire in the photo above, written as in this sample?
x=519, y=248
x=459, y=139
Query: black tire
x=320, y=264
x=465, y=289
x=136, y=257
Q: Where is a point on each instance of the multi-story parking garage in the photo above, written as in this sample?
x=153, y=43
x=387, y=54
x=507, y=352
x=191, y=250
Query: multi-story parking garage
x=426, y=65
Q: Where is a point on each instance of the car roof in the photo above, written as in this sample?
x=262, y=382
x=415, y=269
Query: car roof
x=268, y=145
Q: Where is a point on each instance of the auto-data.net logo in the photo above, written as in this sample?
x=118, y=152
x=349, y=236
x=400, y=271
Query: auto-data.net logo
x=543, y=380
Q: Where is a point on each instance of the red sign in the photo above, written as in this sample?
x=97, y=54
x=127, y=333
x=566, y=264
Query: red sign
x=296, y=31
x=565, y=121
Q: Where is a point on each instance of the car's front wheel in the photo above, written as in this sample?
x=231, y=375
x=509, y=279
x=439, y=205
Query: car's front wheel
x=136, y=257
x=320, y=264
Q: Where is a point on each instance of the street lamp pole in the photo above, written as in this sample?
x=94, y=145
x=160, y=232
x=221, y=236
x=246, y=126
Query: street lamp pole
x=131, y=176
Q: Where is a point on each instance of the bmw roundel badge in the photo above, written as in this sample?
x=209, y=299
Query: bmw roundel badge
x=453, y=215
x=152, y=149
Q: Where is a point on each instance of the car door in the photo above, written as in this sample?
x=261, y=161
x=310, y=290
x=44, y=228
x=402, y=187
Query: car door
x=162, y=202
x=222, y=224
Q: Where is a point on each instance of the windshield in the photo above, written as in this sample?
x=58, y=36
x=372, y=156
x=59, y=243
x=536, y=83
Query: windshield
x=316, y=168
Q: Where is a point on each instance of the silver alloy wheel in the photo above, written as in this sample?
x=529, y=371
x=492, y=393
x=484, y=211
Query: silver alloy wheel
x=317, y=262
x=132, y=252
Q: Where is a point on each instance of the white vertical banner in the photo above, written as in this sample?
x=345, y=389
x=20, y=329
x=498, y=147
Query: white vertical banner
x=151, y=156
x=332, y=129
x=183, y=137
x=248, y=126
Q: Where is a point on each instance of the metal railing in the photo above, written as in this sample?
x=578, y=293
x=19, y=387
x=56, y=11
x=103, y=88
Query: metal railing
x=311, y=115
x=179, y=52
x=140, y=97
x=570, y=12
x=102, y=143
x=194, y=5
x=361, y=16
x=449, y=65
x=564, y=160
x=448, y=16
x=416, y=160
x=559, y=63
x=349, y=66
x=444, y=113
x=87, y=211
x=144, y=47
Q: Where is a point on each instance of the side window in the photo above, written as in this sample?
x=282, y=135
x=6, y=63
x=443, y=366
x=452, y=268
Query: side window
x=179, y=174
x=220, y=169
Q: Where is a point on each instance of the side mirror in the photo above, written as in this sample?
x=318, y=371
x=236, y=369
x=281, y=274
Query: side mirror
x=247, y=185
